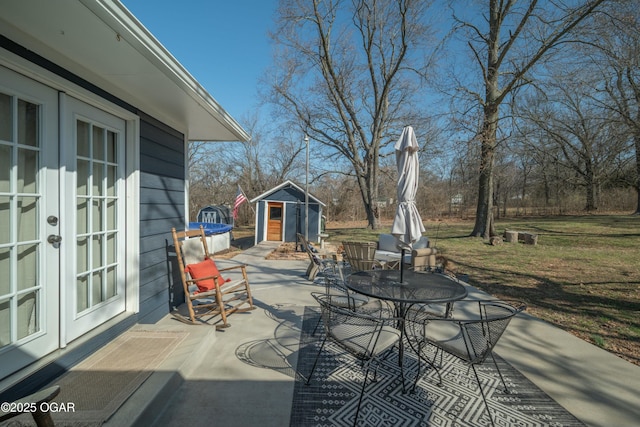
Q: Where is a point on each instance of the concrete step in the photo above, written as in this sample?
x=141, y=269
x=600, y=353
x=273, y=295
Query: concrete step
x=150, y=399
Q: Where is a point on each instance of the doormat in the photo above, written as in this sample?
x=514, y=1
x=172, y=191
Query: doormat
x=100, y=384
x=332, y=396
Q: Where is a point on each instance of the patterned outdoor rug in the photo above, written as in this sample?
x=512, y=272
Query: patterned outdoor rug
x=332, y=396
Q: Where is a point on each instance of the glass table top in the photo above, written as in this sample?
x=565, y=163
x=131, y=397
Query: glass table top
x=416, y=287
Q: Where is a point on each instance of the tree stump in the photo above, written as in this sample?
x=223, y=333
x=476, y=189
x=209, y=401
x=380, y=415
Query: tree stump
x=496, y=240
x=530, y=239
x=511, y=236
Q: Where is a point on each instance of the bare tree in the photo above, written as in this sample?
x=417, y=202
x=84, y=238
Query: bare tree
x=615, y=51
x=510, y=39
x=347, y=75
x=584, y=137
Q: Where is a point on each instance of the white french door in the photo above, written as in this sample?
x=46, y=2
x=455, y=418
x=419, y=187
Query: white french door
x=93, y=285
x=62, y=219
x=29, y=188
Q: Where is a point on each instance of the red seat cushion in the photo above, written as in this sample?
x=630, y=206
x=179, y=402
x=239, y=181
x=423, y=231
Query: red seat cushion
x=208, y=269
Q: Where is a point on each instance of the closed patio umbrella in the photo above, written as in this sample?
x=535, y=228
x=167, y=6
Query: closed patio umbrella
x=407, y=224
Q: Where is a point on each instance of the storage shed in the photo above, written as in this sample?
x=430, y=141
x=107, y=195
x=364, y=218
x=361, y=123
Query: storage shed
x=280, y=214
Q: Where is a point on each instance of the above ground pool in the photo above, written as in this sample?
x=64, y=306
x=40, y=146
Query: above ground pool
x=218, y=235
x=210, y=227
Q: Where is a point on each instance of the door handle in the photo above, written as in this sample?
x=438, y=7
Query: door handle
x=54, y=238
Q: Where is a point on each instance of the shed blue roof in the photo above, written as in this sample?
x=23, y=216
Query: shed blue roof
x=287, y=184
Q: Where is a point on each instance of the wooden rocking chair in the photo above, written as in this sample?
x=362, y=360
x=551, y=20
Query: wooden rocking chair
x=207, y=293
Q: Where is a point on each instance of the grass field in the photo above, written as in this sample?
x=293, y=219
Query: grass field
x=583, y=275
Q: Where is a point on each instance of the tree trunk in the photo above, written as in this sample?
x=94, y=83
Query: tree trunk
x=637, y=184
x=368, y=186
x=484, y=211
x=590, y=189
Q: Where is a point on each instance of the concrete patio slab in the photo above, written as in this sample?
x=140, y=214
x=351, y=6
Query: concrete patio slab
x=244, y=375
x=597, y=387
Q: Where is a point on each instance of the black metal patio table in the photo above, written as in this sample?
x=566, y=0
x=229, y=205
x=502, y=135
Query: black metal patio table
x=415, y=288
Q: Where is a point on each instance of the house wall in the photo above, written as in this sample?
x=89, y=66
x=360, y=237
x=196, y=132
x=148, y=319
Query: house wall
x=162, y=198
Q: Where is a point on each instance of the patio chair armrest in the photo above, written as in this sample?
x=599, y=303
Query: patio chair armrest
x=203, y=294
x=233, y=267
x=424, y=252
x=200, y=279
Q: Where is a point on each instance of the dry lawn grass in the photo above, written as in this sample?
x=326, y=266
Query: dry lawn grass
x=583, y=275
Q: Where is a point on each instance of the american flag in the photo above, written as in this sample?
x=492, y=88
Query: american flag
x=240, y=199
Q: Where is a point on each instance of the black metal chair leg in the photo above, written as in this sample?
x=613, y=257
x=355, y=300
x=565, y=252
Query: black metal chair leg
x=484, y=398
x=364, y=385
x=316, y=361
x=506, y=389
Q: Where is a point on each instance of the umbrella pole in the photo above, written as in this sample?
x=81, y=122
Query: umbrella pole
x=402, y=265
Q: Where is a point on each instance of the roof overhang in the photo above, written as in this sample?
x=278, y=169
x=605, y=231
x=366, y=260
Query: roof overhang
x=102, y=42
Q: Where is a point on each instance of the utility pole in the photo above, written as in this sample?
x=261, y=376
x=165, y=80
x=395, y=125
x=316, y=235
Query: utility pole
x=306, y=193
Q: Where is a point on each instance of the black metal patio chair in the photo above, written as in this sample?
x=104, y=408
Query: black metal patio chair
x=470, y=334
x=363, y=336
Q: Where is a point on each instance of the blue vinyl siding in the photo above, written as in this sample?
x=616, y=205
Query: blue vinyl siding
x=162, y=199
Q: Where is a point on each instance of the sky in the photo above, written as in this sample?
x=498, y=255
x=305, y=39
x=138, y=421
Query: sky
x=223, y=44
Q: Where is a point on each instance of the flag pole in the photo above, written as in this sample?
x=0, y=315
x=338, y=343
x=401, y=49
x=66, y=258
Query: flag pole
x=245, y=195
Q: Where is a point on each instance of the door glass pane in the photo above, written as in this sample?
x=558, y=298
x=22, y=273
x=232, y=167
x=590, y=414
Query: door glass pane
x=5, y=220
x=97, y=215
x=82, y=255
x=5, y=168
x=5, y=265
x=110, y=286
x=28, y=118
x=82, y=139
x=111, y=180
x=98, y=143
x=112, y=147
x=27, y=171
x=82, y=217
x=27, y=218
x=28, y=315
x=96, y=252
x=96, y=288
x=27, y=266
x=111, y=248
x=6, y=117
x=5, y=321
x=112, y=214
x=82, y=301
x=275, y=213
x=82, y=178
x=98, y=173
